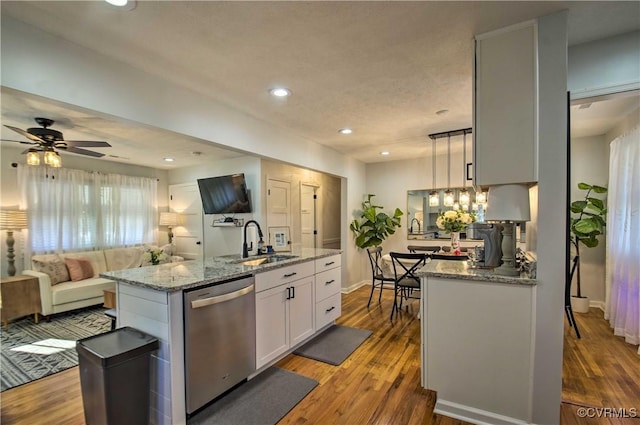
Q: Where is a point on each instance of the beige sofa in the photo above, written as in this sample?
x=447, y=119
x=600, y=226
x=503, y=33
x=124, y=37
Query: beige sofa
x=68, y=295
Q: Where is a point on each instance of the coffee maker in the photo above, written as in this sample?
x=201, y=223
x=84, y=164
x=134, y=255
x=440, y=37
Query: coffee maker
x=491, y=233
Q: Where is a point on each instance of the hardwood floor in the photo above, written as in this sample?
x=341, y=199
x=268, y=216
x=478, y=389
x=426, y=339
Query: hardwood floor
x=380, y=382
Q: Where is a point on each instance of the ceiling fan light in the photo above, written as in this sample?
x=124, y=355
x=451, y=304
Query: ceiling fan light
x=33, y=158
x=57, y=160
x=49, y=157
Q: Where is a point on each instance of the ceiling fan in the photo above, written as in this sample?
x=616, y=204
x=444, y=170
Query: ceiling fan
x=48, y=140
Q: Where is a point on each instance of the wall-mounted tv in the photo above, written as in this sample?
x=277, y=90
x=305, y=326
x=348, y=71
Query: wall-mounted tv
x=225, y=194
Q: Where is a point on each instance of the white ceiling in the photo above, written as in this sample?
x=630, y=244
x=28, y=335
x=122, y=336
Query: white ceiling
x=381, y=68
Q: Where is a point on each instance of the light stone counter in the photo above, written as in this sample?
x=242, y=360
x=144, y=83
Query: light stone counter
x=461, y=270
x=173, y=277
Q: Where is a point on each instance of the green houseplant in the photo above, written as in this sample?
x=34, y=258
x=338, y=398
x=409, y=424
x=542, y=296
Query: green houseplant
x=586, y=225
x=374, y=226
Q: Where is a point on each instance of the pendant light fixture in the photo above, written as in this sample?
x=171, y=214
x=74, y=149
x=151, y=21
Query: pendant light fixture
x=448, y=195
x=434, y=198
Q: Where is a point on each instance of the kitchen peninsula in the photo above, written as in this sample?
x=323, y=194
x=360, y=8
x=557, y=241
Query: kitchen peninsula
x=473, y=375
x=152, y=299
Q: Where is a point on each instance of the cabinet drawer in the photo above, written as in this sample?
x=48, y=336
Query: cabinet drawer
x=327, y=263
x=328, y=283
x=279, y=276
x=328, y=310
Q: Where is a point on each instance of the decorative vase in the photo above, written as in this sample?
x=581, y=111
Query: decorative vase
x=455, y=241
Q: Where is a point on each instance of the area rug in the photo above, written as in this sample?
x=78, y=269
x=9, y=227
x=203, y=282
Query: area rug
x=264, y=400
x=334, y=345
x=32, y=351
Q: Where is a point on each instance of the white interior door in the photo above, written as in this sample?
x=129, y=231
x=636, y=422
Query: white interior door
x=278, y=206
x=308, y=215
x=187, y=238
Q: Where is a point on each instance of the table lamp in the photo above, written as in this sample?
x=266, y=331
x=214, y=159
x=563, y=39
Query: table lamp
x=169, y=219
x=12, y=220
x=508, y=203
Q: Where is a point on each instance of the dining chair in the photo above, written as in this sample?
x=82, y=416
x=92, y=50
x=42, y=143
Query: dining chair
x=449, y=257
x=405, y=266
x=378, y=278
x=416, y=248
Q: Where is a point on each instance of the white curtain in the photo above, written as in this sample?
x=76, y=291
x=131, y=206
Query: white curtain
x=72, y=210
x=622, y=304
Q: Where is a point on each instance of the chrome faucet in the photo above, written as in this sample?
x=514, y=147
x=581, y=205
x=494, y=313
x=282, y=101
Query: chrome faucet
x=245, y=249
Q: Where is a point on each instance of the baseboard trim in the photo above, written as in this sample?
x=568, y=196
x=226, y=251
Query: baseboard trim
x=597, y=304
x=355, y=286
x=473, y=415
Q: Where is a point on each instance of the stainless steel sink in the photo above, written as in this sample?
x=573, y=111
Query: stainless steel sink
x=267, y=260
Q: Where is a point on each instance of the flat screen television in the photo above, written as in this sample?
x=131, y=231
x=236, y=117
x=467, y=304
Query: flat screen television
x=225, y=194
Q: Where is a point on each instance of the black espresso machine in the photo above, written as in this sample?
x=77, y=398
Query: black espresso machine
x=491, y=233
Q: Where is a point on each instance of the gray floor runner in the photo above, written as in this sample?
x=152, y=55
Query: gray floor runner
x=334, y=345
x=264, y=400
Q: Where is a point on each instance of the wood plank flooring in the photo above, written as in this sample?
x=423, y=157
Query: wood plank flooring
x=380, y=382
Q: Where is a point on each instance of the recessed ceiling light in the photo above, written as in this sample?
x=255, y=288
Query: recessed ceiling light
x=280, y=92
x=168, y=159
x=126, y=5
x=442, y=112
x=384, y=153
x=345, y=131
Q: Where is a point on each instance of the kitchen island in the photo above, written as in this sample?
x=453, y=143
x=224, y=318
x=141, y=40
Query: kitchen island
x=478, y=377
x=151, y=299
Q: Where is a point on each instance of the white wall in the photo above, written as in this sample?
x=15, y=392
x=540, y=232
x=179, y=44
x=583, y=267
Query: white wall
x=590, y=164
x=224, y=240
x=10, y=196
x=37, y=62
x=605, y=66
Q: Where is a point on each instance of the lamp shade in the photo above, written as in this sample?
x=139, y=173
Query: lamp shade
x=168, y=219
x=13, y=219
x=509, y=202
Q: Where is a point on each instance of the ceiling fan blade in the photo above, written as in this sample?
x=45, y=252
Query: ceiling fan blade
x=87, y=143
x=81, y=151
x=19, y=141
x=25, y=134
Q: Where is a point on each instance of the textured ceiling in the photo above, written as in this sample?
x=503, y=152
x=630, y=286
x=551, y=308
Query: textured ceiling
x=381, y=68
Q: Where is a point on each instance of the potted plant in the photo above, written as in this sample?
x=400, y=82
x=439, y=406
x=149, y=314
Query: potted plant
x=586, y=226
x=373, y=226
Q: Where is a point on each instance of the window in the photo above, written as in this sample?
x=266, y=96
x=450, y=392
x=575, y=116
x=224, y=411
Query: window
x=72, y=210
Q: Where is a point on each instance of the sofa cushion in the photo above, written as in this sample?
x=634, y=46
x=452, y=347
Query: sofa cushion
x=79, y=268
x=67, y=292
x=52, y=265
x=96, y=258
x=123, y=258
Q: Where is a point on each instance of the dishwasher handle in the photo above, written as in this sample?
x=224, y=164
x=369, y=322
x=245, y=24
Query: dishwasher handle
x=221, y=298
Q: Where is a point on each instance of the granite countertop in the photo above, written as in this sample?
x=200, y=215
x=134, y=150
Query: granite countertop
x=462, y=270
x=189, y=274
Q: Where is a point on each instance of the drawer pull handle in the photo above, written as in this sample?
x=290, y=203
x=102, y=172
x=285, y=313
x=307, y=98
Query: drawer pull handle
x=329, y=309
x=328, y=264
x=290, y=274
x=330, y=282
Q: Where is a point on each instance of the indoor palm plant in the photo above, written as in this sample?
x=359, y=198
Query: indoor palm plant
x=586, y=225
x=374, y=226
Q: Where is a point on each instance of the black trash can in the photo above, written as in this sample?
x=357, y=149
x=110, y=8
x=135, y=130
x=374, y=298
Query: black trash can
x=115, y=375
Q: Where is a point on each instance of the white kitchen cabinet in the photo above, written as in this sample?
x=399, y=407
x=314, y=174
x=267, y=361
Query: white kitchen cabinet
x=506, y=106
x=284, y=310
x=328, y=282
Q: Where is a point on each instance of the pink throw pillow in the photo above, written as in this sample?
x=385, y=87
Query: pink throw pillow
x=79, y=268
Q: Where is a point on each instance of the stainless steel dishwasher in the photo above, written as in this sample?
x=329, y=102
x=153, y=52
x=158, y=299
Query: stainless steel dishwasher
x=220, y=339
